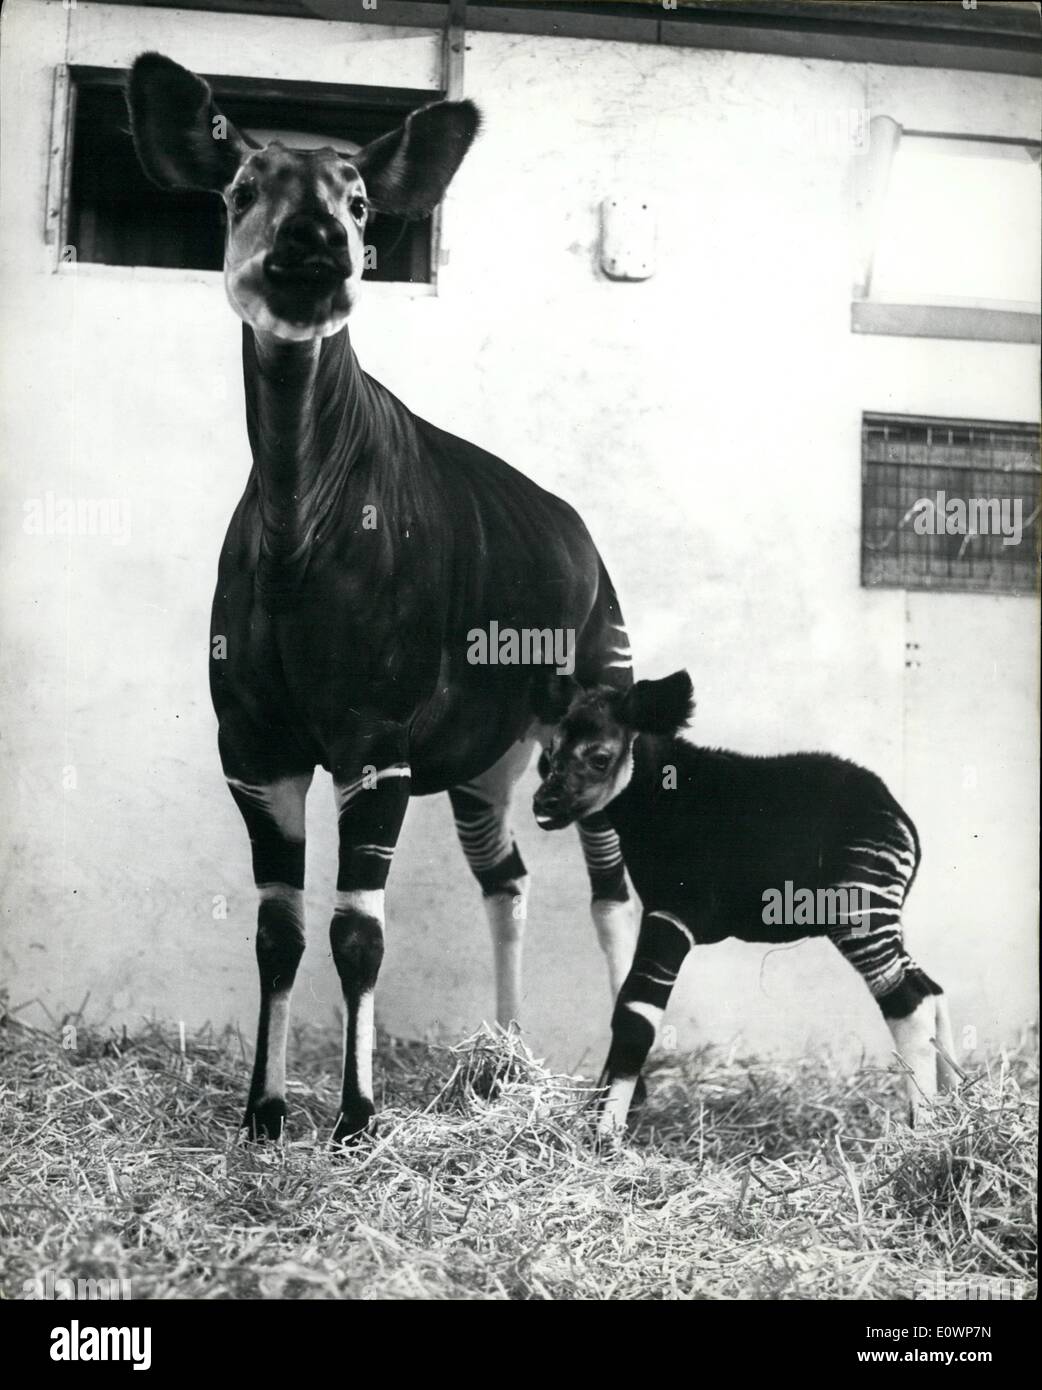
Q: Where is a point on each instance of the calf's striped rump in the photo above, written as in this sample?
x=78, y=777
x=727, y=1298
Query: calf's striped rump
x=875, y=869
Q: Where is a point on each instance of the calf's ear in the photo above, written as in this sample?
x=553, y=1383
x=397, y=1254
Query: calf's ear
x=659, y=707
x=551, y=696
x=407, y=171
x=181, y=138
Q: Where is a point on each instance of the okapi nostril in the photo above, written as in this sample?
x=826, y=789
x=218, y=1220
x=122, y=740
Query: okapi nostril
x=306, y=234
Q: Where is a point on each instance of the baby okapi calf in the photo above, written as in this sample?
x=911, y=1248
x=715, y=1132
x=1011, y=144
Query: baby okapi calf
x=710, y=837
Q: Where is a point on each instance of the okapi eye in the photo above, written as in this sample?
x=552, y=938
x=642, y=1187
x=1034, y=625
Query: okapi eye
x=359, y=207
x=241, y=197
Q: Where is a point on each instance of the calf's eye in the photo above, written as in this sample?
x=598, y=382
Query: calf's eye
x=242, y=197
x=358, y=208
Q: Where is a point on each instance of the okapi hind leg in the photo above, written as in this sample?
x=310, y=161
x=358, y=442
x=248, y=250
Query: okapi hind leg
x=913, y=1006
x=482, y=809
x=274, y=816
x=913, y=1012
x=879, y=865
x=947, y=1077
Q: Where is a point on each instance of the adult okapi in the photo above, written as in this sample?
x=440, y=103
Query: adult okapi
x=366, y=546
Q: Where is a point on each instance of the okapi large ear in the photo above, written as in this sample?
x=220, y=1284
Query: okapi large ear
x=407, y=171
x=552, y=695
x=659, y=707
x=182, y=139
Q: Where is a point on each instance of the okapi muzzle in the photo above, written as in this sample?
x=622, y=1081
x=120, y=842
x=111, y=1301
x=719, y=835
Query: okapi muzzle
x=578, y=784
x=295, y=251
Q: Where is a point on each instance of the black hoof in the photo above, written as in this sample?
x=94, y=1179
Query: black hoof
x=355, y=1125
x=488, y=1075
x=266, y=1120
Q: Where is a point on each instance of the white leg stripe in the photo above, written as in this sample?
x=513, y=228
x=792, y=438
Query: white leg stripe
x=902, y=858
x=486, y=841
x=906, y=834
x=651, y=1012
x=278, y=1033
x=364, y=1031
x=293, y=898
x=346, y=794
x=367, y=900
x=669, y=979
x=282, y=800
x=616, y=1106
x=676, y=922
x=894, y=892
x=507, y=931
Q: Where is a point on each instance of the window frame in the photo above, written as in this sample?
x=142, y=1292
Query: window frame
x=70, y=78
x=931, y=319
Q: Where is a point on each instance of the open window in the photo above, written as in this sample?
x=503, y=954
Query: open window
x=105, y=211
x=950, y=229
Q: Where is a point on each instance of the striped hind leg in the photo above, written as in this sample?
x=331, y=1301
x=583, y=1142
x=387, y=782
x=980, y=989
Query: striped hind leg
x=610, y=904
x=879, y=869
x=482, y=809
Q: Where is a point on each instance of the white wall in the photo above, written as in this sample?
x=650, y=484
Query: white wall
x=706, y=423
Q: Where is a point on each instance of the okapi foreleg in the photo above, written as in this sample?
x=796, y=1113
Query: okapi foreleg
x=371, y=809
x=610, y=903
x=274, y=816
x=662, y=944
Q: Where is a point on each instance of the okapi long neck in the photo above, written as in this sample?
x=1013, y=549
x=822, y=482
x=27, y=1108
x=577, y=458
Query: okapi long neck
x=308, y=409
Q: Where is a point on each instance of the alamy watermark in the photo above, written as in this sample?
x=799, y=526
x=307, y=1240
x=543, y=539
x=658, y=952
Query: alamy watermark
x=526, y=646
x=80, y=1342
x=62, y=1289
x=817, y=907
x=803, y=126
x=52, y=515
x=944, y=1287
x=942, y=515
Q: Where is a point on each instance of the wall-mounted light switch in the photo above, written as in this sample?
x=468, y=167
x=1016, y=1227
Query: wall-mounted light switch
x=627, y=237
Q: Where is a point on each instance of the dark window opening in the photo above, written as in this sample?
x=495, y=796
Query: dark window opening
x=116, y=216
x=949, y=504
